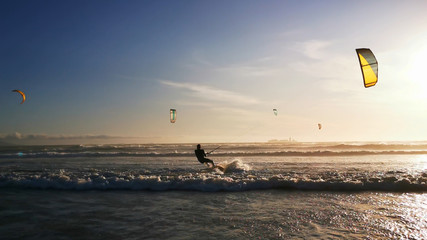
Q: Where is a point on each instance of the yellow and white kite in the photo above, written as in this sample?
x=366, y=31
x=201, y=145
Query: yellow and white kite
x=369, y=65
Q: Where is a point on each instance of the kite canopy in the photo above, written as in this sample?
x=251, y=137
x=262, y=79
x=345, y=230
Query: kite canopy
x=173, y=115
x=275, y=111
x=22, y=94
x=319, y=125
x=369, y=66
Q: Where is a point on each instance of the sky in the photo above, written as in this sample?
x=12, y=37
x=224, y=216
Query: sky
x=109, y=71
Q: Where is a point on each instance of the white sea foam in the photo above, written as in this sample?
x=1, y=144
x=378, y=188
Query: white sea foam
x=235, y=165
x=211, y=181
x=174, y=167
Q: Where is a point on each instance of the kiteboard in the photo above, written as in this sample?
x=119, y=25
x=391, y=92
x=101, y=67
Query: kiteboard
x=219, y=167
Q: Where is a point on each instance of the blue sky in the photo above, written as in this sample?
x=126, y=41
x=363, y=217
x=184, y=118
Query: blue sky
x=113, y=69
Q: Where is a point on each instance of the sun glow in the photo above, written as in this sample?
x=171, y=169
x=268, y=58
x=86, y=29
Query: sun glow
x=418, y=72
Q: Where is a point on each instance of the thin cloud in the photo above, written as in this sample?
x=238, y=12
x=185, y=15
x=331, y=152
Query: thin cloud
x=211, y=93
x=313, y=49
x=265, y=66
x=235, y=110
x=252, y=71
x=200, y=59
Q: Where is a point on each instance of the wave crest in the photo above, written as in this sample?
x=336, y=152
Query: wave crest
x=211, y=182
x=235, y=165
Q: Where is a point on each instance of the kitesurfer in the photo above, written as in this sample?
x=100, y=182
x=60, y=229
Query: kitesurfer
x=201, y=156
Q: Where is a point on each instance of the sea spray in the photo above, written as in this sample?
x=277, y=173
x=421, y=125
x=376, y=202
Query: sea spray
x=236, y=165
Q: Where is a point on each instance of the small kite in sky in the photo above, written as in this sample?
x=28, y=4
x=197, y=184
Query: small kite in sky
x=22, y=94
x=173, y=115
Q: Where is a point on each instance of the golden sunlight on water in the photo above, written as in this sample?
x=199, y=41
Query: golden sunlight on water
x=422, y=162
x=396, y=214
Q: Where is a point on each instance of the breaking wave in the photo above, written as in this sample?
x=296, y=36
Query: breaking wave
x=239, y=180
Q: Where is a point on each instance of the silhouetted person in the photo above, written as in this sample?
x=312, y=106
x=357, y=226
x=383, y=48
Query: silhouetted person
x=201, y=156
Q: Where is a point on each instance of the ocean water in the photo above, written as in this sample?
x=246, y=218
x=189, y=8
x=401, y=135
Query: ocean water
x=282, y=190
